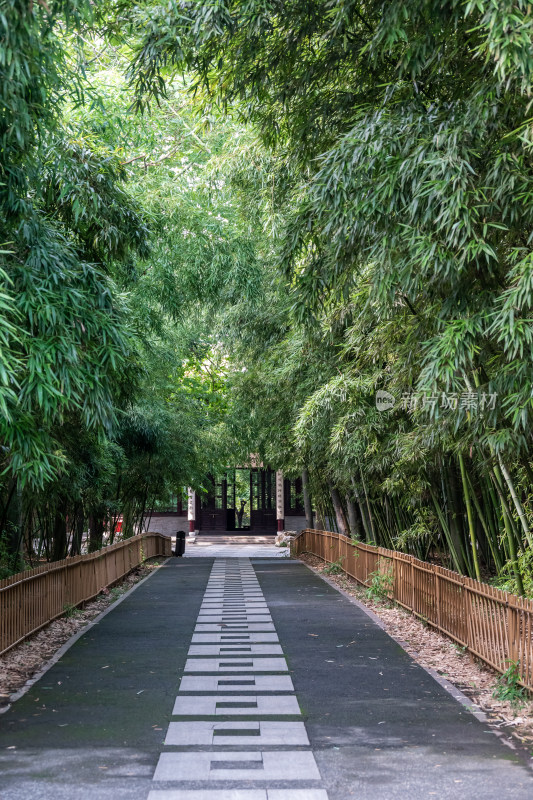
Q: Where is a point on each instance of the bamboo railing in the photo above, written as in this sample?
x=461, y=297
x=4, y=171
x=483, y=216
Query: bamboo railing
x=494, y=626
x=31, y=599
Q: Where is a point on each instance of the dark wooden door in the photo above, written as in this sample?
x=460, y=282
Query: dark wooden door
x=263, y=490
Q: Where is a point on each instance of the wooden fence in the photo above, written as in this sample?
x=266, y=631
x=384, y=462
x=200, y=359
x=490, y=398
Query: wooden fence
x=494, y=626
x=31, y=599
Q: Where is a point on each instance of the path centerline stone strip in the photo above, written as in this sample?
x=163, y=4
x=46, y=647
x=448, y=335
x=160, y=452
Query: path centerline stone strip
x=248, y=683
x=241, y=794
x=229, y=637
x=259, y=705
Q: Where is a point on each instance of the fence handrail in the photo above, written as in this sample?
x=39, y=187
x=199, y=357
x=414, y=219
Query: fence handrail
x=27, y=605
x=50, y=566
x=492, y=624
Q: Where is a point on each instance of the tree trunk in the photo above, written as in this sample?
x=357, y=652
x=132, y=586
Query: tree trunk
x=492, y=542
x=12, y=526
x=77, y=531
x=307, y=499
x=353, y=520
x=470, y=515
x=455, y=517
x=517, y=504
x=510, y=536
x=342, y=525
x=60, y=544
x=7, y=509
x=141, y=520
x=366, y=525
x=368, y=511
x=150, y=513
x=96, y=530
x=127, y=521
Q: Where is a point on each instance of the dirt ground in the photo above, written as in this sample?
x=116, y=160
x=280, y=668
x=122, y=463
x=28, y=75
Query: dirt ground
x=26, y=659
x=431, y=649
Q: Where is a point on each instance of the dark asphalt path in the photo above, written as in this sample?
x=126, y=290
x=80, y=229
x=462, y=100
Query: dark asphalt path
x=380, y=727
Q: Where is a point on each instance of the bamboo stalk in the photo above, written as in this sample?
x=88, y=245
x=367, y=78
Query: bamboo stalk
x=510, y=535
x=517, y=504
x=446, y=531
x=494, y=550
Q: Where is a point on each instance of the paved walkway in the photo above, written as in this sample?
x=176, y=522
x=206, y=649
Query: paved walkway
x=236, y=549
x=245, y=679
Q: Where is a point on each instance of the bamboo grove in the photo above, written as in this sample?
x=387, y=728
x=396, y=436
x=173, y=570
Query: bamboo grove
x=297, y=229
x=107, y=404
x=398, y=187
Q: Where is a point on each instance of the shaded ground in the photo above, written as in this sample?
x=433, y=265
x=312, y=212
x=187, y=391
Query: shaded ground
x=23, y=661
x=435, y=651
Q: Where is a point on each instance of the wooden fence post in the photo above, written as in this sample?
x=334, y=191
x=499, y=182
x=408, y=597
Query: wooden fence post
x=512, y=631
x=412, y=583
x=437, y=592
x=467, y=616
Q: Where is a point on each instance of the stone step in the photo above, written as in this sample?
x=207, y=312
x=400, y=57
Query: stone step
x=220, y=538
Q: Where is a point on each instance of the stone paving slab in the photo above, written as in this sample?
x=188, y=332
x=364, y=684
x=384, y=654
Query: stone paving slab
x=255, y=638
x=248, y=589
x=236, y=665
x=194, y=732
x=214, y=618
x=244, y=683
x=236, y=587
x=235, y=705
x=245, y=603
x=212, y=550
x=244, y=597
x=234, y=608
x=235, y=597
x=287, y=765
x=229, y=648
x=238, y=794
x=216, y=627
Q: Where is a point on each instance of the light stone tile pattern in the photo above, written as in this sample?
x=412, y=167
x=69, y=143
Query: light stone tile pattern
x=218, y=607
x=238, y=794
x=234, y=619
x=236, y=649
x=232, y=627
x=251, y=683
x=213, y=550
x=254, y=638
x=235, y=705
x=267, y=765
x=229, y=664
x=235, y=676
x=224, y=733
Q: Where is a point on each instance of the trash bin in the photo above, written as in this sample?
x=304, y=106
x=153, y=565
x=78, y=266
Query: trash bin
x=180, y=543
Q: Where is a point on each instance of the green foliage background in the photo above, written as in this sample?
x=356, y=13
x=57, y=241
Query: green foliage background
x=320, y=200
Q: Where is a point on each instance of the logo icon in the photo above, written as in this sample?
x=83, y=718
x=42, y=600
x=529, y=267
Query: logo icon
x=384, y=400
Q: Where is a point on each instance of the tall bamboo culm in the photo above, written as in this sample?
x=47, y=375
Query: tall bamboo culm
x=492, y=625
x=30, y=600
